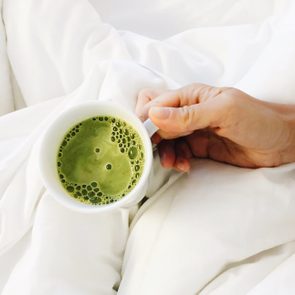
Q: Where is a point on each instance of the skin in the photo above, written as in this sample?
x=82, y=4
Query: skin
x=223, y=124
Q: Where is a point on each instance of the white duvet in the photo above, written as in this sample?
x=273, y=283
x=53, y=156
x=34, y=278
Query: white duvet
x=218, y=230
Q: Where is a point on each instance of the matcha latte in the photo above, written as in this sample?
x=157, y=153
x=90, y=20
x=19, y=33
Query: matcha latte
x=100, y=160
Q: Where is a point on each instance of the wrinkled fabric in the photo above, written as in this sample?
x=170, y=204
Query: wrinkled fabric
x=218, y=230
x=6, y=93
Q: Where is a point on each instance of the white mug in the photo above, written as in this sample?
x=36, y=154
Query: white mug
x=54, y=135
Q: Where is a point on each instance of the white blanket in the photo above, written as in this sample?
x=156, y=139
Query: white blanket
x=218, y=230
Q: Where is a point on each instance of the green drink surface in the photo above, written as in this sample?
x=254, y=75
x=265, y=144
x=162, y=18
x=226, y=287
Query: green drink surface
x=100, y=160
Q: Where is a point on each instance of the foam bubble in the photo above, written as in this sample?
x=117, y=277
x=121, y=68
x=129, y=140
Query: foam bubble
x=70, y=189
x=94, y=200
x=109, y=166
x=132, y=153
x=128, y=142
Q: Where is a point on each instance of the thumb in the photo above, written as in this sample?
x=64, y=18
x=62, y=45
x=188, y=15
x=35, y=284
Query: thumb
x=182, y=120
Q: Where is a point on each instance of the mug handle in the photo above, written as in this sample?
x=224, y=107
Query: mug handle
x=150, y=127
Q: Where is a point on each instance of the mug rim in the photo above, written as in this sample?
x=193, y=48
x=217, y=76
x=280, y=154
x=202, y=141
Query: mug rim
x=56, y=189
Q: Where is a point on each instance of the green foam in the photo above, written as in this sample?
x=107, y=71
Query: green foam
x=92, y=158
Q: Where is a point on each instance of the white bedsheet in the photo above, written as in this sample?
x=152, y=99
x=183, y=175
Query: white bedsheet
x=218, y=230
x=6, y=97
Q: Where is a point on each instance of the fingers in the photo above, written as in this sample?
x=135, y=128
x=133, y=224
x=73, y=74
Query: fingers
x=175, y=122
x=156, y=138
x=205, y=144
x=188, y=95
x=183, y=156
x=144, y=97
x=167, y=155
x=175, y=154
x=179, y=112
x=198, y=143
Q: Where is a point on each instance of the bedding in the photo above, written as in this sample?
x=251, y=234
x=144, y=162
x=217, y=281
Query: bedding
x=217, y=230
x=6, y=97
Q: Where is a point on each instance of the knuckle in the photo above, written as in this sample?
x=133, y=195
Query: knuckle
x=229, y=90
x=144, y=92
x=215, y=91
x=151, y=93
x=199, y=89
x=187, y=118
x=204, y=92
x=142, y=116
x=190, y=93
x=196, y=85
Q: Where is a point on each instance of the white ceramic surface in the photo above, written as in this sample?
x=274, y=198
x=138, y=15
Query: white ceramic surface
x=54, y=135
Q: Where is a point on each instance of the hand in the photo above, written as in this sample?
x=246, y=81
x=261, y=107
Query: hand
x=224, y=124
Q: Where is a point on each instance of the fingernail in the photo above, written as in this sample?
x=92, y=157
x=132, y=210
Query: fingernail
x=160, y=113
x=182, y=165
x=164, y=161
